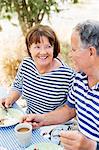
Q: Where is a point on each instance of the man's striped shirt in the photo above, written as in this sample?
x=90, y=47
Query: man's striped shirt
x=46, y=92
x=86, y=102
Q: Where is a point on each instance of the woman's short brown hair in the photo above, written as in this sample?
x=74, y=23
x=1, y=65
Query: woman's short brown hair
x=35, y=33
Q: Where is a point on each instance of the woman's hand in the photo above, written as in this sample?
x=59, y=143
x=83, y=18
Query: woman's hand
x=5, y=103
x=74, y=140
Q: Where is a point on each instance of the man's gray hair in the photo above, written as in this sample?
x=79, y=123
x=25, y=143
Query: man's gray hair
x=89, y=33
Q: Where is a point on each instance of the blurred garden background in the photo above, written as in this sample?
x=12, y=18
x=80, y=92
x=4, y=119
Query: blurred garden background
x=17, y=17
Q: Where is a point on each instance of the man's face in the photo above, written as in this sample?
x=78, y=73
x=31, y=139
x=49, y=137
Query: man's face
x=79, y=55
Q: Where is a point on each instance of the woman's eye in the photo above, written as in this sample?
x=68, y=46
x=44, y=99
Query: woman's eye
x=48, y=46
x=37, y=47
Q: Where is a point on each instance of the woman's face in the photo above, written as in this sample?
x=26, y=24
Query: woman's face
x=42, y=53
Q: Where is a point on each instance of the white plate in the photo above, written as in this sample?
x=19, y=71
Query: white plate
x=53, y=132
x=11, y=117
x=2, y=148
x=45, y=146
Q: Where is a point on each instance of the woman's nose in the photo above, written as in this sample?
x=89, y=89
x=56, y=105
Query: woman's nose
x=43, y=50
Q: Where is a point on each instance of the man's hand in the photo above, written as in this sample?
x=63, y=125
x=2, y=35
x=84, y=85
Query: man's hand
x=74, y=140
x=37, y=120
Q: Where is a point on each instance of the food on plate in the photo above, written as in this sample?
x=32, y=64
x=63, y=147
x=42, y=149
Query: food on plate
x=2, y=113
x=9, y=117
x=2, y=122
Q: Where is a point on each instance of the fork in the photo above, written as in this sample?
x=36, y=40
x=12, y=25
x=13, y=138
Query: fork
x=6, y=109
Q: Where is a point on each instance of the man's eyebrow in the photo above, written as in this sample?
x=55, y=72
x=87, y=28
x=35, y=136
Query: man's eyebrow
x=74, y=49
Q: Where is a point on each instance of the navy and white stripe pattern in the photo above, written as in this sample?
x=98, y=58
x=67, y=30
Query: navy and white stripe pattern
x=46, y=92
x=86, y=102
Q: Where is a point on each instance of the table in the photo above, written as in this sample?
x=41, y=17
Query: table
x=9, y=141
x=7, y=135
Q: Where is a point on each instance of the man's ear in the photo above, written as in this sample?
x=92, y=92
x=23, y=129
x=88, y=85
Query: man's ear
x=92, y=50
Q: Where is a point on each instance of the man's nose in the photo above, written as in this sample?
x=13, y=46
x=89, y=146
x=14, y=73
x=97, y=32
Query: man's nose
x=70, y=55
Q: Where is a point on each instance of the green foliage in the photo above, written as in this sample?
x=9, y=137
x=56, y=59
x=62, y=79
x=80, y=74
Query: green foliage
x=75, y=1
x=65, y=53
x=65, y=48
x=29, y=12
x=0, y=28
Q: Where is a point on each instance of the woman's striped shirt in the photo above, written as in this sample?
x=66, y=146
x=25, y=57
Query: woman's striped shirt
x=46, y=92
x=86, y=102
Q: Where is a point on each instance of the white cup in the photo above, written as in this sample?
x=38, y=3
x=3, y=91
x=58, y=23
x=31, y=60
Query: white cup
x=23, y=132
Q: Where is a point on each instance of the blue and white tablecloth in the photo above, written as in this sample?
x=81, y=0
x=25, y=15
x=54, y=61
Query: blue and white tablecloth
x=9, y=141
x=7, y=135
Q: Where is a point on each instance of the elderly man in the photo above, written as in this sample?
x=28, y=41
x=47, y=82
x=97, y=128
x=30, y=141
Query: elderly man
x=83, y=98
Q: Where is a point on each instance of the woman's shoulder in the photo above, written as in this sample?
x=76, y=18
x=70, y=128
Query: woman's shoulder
x=27, y=61
x=80, y=75
x=65, y=66
x=69, y=68
x=61, y=61
x=66, y=70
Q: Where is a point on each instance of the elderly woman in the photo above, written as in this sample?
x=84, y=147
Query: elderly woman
x=83, y=98
x=43, y=80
